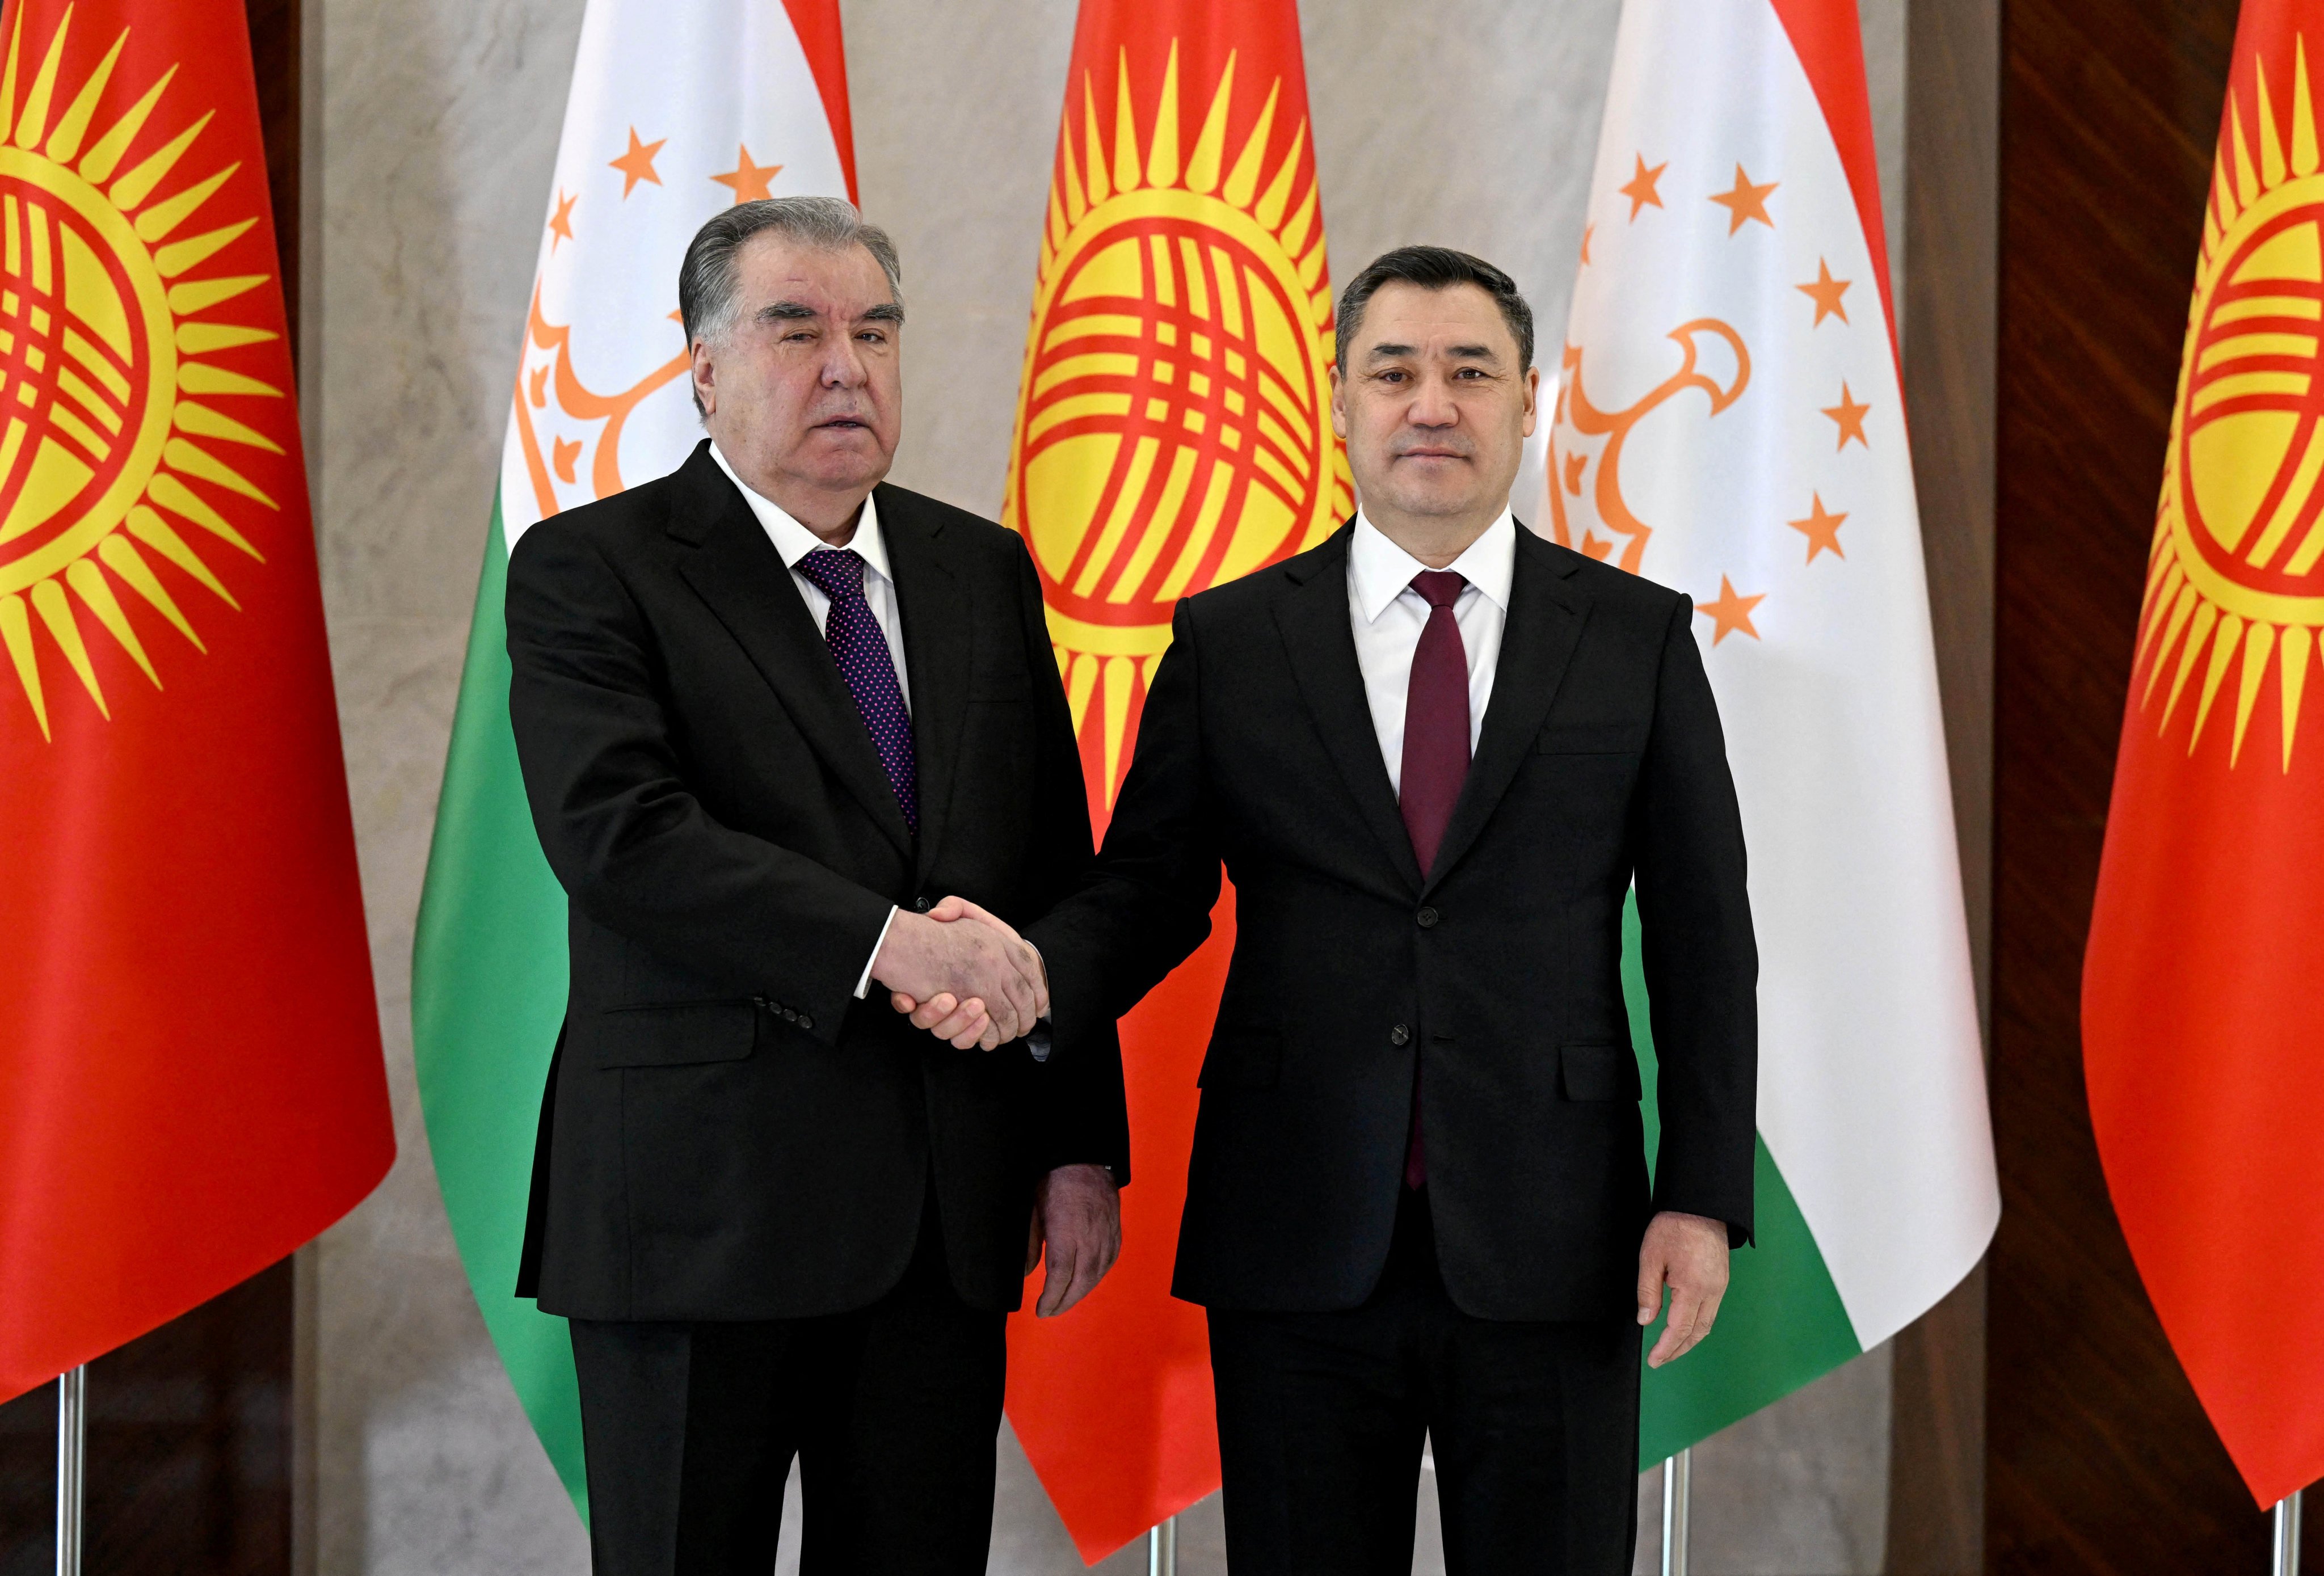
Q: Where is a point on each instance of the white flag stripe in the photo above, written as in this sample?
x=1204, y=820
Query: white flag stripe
x=1872, y=1097
x=707, y=80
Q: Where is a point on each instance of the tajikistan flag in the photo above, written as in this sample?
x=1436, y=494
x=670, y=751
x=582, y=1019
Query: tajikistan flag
x=677, y=110
x=1729, y=422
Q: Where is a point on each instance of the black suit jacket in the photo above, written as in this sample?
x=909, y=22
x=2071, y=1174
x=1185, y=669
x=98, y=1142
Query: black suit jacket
x=727, y=1133
x=1600, y=762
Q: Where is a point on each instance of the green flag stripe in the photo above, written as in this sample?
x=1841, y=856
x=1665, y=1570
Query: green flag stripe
x=488, y=983
x=1782, y=1324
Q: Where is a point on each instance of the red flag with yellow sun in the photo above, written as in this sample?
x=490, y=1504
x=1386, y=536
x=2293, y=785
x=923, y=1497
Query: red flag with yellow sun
x=2204, y=985
x=190, y=1083
x=1172, y=432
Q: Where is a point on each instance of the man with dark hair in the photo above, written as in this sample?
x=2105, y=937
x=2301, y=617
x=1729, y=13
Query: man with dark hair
x=1433, y=754
x=768, y=707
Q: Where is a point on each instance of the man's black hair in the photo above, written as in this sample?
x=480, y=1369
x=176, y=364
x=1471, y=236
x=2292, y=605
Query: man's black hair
x=1436, y=268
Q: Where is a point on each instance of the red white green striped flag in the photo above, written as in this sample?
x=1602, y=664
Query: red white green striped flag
x=1729, y=421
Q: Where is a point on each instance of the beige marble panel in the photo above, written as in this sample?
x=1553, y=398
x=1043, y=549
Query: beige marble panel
x=437, y=130
x=439, y=121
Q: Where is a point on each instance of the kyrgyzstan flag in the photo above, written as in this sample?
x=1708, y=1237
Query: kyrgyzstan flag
x=2203, y=991
x=190, y=1083
x=1172, y=432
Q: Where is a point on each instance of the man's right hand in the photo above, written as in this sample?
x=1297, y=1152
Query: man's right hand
x=993, y=976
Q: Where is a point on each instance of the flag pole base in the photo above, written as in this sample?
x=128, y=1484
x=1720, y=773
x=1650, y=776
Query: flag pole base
x=72, y=1453
x=1678, y=1489
x=1162, y=1549
x=2287, y=1535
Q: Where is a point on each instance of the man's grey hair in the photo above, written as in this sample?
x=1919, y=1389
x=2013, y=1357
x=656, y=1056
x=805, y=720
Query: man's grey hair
x=708, y=282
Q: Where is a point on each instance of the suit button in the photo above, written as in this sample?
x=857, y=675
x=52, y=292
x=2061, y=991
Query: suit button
x=806, y=1020
x=790, y=1014
x=920, y=904
x=1399, y=1036
x=1428, y=919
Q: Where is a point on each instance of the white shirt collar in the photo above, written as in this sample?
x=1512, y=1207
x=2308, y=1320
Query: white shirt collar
x=1380, y=571
x=794, y=542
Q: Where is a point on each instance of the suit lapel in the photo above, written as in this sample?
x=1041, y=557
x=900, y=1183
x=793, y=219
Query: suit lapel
x=1538, y=640
x=1314, y=621
x=939, y=640
x=736, y=571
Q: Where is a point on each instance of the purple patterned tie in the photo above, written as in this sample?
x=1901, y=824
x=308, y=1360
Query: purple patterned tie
x=861, y=650
x=1435, y=762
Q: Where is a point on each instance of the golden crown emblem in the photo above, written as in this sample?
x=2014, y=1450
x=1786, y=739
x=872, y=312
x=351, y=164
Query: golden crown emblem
x=106, y=423
x=1174, y=421
x=2236, y=582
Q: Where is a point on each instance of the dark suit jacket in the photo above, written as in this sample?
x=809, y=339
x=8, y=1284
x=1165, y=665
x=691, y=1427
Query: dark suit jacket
x=1600, y=762
x=727, y=1133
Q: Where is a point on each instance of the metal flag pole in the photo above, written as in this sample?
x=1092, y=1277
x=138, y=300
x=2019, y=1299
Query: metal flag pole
x=2287, y=1535
x=1162, y=1549
x=72, y=1452
x=1678, y=1472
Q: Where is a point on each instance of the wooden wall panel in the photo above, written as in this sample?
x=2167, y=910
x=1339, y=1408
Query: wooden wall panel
x=2100, y=1460
x=1936, y=1477
x=189, y=1446
x=190, y=1435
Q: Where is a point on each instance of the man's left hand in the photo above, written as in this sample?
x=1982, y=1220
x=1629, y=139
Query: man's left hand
x=1687, y=1253
x=1078, y=1215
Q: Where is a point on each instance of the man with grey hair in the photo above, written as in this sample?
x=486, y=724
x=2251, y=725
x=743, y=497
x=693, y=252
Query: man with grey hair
x=769, y=708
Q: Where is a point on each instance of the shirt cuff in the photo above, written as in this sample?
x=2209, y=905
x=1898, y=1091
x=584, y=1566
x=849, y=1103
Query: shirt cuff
x=1041, y=1039
x=864, y=984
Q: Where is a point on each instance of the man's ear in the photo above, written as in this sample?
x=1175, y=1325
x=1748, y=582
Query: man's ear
x=1532, y=400
x=704, y=374
x=1340, y=404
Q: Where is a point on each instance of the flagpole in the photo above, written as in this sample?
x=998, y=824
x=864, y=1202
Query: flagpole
x=2287, y=1535
x=1678, y=1487
x=1162, y=1549
x=72, y=1452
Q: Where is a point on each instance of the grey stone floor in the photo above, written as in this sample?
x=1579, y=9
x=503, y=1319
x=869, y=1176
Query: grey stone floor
x=1798, y=1489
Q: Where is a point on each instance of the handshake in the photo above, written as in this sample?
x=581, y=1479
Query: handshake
x=962, y=975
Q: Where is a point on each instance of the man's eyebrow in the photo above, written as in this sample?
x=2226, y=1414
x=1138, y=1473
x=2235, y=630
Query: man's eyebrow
x=777, y=311
x=885, y=312
x=1458, y=352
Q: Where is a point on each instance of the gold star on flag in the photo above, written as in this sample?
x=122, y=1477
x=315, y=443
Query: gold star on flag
x=748, y=179
x=1731, y=612
x=1851, y=417
x=1746, y=201
x=560, y=227
x=1825, y=293
x=1641, y=187
x=637, y=164
x=1822, y=528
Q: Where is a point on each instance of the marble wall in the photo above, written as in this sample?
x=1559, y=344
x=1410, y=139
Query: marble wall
x=437, y=126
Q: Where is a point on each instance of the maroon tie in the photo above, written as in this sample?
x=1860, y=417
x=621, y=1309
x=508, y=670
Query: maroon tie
x=1436, y=761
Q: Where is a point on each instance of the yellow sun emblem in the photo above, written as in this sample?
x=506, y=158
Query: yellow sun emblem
x=1174, y=423
x=2236, y=582
x=105, y=424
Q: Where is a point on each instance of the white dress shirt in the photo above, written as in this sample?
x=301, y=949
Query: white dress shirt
x=1388, y=616
x=794, y=542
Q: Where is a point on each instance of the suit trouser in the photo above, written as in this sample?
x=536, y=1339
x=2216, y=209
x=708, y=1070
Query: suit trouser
x=1533, y=1427
x=688, y=1431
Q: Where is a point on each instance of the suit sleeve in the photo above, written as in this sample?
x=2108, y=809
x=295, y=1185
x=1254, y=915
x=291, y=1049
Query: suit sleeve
x=633, y=848
x=1701, y=960
x=1148, y=904
x=1085, y=1116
